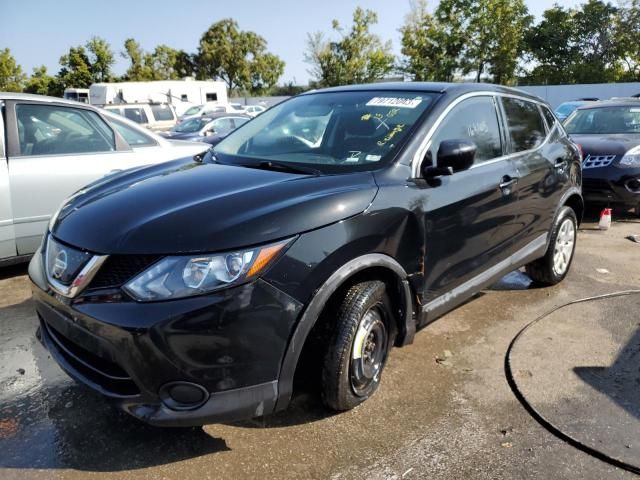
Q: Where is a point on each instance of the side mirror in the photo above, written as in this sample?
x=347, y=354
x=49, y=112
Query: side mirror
x=457, y=155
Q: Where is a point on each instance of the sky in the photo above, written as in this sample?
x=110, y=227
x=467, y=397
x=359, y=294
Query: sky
x=38, y=32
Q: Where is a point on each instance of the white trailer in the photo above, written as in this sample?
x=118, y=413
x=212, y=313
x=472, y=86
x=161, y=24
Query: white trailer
x=182, y=94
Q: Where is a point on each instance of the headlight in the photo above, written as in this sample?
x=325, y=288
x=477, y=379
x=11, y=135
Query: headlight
x=631, y=159
x=184, y=276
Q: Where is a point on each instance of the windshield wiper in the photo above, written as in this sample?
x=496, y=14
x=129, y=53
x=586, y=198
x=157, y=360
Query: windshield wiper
x=284, y=167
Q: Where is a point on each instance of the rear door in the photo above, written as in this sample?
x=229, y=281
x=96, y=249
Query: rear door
x=541, y=165
x=7, y=236
x=470, y=215
x=53, y=151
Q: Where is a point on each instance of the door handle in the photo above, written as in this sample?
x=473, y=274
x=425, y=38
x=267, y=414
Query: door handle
x=507, y=182
x=560, y=164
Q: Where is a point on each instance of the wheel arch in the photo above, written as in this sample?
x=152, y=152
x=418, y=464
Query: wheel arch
x=575, y=201
x=367, y=267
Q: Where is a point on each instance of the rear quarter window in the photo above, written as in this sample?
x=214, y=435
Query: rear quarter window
x=524, y=123
x=162, y=113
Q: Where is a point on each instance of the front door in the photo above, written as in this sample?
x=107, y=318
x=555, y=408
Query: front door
x=54, y=150
x=470, y=216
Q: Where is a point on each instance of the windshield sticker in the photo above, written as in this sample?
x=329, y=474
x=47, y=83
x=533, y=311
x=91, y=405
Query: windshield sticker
x=373, y=158
x=634, y=110
x=397, y=129
x=394, y=102
x=354, y=156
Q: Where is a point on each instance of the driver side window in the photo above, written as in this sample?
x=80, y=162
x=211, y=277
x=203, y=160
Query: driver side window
x=476, y=120
x=53, y=130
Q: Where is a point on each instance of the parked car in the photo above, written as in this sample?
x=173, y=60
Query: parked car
x=49, y=148
x=194, y=296
x=254, y=110
x=210, y=108
x=565, y=109
x=154, y=116
x=197, y=128
x=609, y=133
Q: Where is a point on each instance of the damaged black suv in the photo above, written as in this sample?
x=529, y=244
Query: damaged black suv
x=344, y=218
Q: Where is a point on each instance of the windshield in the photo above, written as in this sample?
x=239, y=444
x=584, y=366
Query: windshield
x=192, y=125
x=192, y=110
x=618, y=119
x=333, y=132
x=566, y=108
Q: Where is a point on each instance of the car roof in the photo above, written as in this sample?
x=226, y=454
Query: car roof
x=213, y=116
x=39, y=98
x=454, y=89
x=616, y=102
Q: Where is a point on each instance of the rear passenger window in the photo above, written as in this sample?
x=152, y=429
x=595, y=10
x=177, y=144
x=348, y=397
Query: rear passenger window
x=474, y=119
x=53, y=130
x=162, y=112
x=131, y=136
x=136, y=115
x=525, y=124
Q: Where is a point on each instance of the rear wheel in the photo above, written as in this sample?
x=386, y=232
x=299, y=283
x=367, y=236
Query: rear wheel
x=554, y=266
x=358, y=349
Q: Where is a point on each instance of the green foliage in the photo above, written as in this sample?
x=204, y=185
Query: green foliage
x=76, y=69
x=432, y=44
x=465, y=36
x=238, y=58
x=358, y=56
x=12, y=77
x=584, y=45
x=101, y=59
x=140, y=68
x=42, y=83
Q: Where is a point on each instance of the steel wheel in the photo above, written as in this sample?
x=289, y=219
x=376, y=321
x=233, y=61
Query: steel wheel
x=369, y=352
x=563, y=249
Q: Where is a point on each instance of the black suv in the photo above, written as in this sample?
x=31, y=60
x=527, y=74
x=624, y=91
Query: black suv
x=609, y=134
x=341, y=221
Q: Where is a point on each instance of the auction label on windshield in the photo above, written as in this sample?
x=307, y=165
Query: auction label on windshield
x=394, y=102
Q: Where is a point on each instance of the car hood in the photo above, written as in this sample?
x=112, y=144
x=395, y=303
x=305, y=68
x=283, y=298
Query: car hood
x=181, y=135
x=606, y=144
x=185, y=206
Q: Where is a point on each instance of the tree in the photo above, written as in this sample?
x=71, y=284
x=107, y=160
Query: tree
x=238, y=58
x=12, y=77
x=42, y=83
x=140, y=68
x=100, y=59
x=584, y=45
x=495, y=40
x=482, y=37
x=550, y=45
x=628, y=35
x=358, y=56
x=432, y=44
x=76, y=69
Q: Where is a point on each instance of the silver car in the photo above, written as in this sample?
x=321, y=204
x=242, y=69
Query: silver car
x=50, y=147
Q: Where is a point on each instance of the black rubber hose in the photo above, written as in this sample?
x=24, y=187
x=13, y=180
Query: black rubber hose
x=535, y=414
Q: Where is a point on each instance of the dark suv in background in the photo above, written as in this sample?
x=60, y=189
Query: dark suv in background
x=609, y=134
x=340, y=221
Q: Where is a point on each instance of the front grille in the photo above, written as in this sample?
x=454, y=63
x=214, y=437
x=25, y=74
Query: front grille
x=597, y=161
x=119, y=269
x=596, y=186
x=109, y=376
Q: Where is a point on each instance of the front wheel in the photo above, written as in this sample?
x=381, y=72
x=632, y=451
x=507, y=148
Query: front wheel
x=554, y=266
x=359, y=346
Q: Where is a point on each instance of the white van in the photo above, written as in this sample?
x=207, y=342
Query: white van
x=155, y=116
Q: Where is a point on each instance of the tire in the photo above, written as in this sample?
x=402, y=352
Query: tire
x=554, y=266
x=358, y=347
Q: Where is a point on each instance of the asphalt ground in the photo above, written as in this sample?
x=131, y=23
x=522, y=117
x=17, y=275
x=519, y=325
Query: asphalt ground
x=445, y=408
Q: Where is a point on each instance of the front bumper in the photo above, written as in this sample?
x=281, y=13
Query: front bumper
x=228, y=345
x=612, y=185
